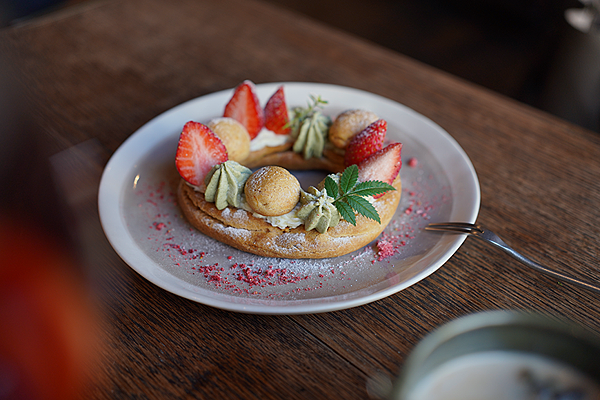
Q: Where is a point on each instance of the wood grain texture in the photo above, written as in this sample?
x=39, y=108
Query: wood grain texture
x=102, y=70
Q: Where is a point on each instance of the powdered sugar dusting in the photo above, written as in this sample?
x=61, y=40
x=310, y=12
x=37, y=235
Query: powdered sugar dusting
x=158, y=227
x=202, y=261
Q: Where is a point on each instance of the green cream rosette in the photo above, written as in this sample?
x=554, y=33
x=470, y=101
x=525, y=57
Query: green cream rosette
x=225, y=184
x=311, y=135
x=317, y=210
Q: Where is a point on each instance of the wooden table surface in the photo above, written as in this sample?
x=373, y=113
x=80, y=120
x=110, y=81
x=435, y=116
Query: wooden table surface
x=99, y=70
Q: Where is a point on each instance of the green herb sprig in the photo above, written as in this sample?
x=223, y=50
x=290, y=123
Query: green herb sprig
x=349, y=196
x=301, y=113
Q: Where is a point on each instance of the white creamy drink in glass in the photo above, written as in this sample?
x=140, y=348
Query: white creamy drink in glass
x=504, y=375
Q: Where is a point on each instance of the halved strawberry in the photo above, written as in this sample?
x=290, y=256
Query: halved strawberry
x=276, y=114
x=245, y=108
x=199, y=149
x=383, y=165
x=366, y=142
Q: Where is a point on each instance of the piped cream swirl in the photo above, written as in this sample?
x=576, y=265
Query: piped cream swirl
x=225, y=184
x=311, y=135
x=317, y=210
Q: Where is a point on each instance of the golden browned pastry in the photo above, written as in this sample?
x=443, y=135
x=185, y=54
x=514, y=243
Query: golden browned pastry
x=294, y=161
x=259, y=158
x=233, y=135
x=266, y=212
x=348, y=124
x=272, y=191
x=242, y=230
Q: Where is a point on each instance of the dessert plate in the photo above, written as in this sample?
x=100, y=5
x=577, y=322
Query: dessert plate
x=139, y=214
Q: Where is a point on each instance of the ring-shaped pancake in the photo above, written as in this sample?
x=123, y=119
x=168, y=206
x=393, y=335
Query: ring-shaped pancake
x=242, y=230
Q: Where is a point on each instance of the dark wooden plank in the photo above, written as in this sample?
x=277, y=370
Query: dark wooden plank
x=101, y=72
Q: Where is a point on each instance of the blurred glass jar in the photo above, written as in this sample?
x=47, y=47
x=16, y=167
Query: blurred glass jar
x=503, y=355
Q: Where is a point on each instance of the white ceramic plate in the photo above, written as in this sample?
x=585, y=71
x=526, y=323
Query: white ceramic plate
x=141, y=219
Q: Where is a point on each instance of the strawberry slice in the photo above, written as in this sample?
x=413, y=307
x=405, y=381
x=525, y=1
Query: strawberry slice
x=276, y=114
x=245, y=108
x=198, y=150
x=383, y=165
x=366, y=142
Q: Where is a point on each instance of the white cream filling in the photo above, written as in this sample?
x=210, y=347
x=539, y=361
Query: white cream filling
x=289, y=220
x=267, y=138
x=284, y=221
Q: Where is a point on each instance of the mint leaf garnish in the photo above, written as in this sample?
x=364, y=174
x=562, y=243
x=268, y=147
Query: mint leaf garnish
x=363, y=207
x=349, y=196
x=331, y=187
x=345, y=211
x=348, y=179
x=372, y=188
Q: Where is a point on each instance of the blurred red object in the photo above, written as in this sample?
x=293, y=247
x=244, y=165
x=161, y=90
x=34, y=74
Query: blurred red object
x=48, y=321
x=47, y=334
